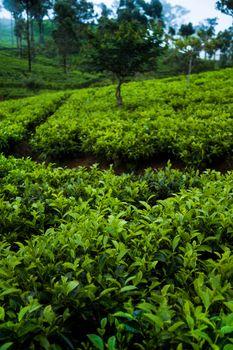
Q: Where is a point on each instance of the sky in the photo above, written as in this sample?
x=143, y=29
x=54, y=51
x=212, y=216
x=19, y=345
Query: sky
x=199, y=10
x=202, y=9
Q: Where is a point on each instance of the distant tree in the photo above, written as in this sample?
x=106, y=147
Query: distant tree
x=15, y=8
x=27, y=6
x=225, y=45
x=171, y=31
x=190, y=46
x=123, y=47
x=225, y=6
x=152, y=9
x=70, y=17
x=129, y=10
x=39, y=11
x=65, y=35
x=19, y=30
x=186, y=30
x=173, y=14
x=206, y=32
x=105, y=11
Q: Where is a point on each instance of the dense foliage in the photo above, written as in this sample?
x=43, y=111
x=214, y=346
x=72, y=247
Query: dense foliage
x=91, y=260
x=127, y=35
x=163, y=117
x=15, y=82
x=19, y=118
x=159, y=117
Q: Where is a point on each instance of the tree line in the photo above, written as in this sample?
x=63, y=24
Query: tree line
x=123, y=41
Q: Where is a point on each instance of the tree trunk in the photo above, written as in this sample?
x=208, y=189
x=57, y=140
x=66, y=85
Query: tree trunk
x=12, y=30
x=118, y=93
x=189, y=69
x=65, y=63
x=41, y=31
x=32, y=37
x=18, y=46
x=28, y=39
x=21, y=46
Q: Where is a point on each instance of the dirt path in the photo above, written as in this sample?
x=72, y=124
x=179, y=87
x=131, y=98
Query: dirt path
x=23, y=149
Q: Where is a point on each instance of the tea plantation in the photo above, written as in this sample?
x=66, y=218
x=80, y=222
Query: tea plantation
x=93, y=260
x=193, y=124
x=16, y=82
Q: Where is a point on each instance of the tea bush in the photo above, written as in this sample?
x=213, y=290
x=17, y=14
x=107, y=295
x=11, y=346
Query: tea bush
x=46, y=75
x=21, y=116
x=159, y=117
x=92, y=260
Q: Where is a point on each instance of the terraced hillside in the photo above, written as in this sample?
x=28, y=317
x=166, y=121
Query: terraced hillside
x=93, y=260
x=162, y=118
x=16, y=82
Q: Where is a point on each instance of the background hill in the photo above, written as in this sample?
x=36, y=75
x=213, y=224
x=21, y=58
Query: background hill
x=47, y=75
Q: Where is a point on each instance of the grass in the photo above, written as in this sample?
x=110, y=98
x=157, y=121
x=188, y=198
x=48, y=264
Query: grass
x=16, y=81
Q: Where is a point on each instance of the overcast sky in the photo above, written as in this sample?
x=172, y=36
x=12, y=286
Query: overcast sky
x=199, y=10
x=202, y=9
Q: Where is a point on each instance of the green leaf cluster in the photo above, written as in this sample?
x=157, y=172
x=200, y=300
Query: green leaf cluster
x=92, y=260
x=17, y=118
x=158, y=118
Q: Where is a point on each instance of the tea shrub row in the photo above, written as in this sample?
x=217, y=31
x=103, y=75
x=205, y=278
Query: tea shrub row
x=18, y=117
x=15, y=80
x=159, y=117
x=91, y=260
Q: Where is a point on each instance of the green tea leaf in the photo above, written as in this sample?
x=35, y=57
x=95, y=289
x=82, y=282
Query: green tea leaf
x=112, y=343
x=175, y=326
x=127, y=289
x=227, y=329
x=29, y=309
x=49, y=314
x=96, y=341
x=71, y=286
x=124, y=315
x=2, y=313
x=107, y=291
x=228, y=347
x=6, y=346
x=229, y=304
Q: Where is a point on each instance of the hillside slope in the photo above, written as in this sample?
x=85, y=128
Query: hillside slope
x=16, y=82
x=160, y=118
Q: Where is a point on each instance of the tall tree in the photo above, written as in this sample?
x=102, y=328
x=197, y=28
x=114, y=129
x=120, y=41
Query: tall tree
x=186, y=30
x=173, y=14
x=225, y=45
x=105, y=11
x=28, y=6
x=70, y=17
x=225, y=6
x=15, y=8
x=39, y=11
x=190, y=46
x=19, y=31
x=206, y=32
x=124, y=45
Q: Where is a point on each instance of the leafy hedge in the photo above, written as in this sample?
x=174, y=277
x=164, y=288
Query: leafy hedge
x=20, y=116
x=159, y=117
x=91, y=260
